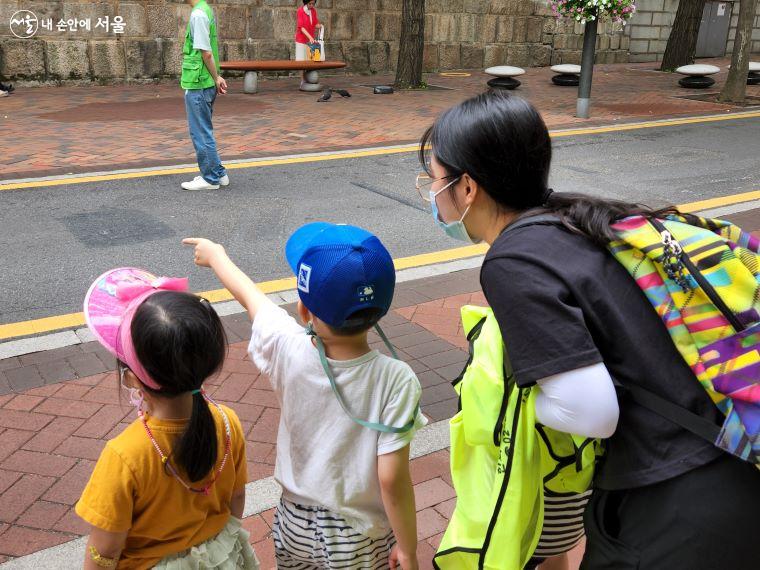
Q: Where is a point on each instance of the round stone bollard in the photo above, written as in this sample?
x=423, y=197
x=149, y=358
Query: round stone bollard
x=504, y=76
x=310, y=81
x=567, y=75
x=753, y=77
x=696, y=76
x=250, y=82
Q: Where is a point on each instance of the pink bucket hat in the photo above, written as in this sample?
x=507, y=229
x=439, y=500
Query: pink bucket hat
x=110, y=305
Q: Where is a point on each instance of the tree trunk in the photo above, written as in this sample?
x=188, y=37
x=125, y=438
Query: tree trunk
x=736, y=84
x=682, y=42
x=411, y=45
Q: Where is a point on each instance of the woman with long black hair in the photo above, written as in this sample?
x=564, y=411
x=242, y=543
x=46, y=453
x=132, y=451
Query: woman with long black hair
x=573, y=320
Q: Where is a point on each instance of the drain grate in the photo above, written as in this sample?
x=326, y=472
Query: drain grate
x=114, y=226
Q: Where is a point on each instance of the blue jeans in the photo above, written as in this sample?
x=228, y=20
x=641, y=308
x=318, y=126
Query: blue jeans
x=199, y=104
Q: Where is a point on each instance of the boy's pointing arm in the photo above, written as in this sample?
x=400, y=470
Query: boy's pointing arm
x=245, y=291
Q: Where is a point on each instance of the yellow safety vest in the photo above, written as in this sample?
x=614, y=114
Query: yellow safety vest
x=501, y=460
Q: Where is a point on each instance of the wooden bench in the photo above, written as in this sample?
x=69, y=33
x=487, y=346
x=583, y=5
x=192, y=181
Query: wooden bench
x=311, y=77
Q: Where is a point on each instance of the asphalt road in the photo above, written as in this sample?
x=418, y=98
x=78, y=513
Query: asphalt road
x=55, y=241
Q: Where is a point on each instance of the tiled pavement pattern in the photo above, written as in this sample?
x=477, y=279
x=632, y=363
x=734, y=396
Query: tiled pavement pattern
x=52, y=429
x=84, y=129
x=51, y=435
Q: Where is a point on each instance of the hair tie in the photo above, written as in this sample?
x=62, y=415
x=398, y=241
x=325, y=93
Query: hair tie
x=546, y=196
x=196, y=391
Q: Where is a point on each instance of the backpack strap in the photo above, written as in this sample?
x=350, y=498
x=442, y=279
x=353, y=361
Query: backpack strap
x=687, y=419
x=696, y=424
x=537, y=220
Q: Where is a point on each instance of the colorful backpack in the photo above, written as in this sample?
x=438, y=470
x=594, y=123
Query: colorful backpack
x=502, y=460
x=702, y=276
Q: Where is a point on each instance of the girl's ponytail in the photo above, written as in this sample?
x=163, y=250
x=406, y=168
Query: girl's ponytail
x=180, y=341
x=197, y=449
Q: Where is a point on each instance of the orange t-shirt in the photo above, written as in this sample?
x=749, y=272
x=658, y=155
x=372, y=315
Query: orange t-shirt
x=129, y=490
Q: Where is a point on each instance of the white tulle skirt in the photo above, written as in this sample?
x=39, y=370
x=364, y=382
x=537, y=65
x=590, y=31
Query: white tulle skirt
x=228, y=550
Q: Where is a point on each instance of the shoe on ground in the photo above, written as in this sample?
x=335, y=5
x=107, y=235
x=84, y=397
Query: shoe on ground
x=198, y=183
x=3, y=93
x=7, y=87
x=224, y=180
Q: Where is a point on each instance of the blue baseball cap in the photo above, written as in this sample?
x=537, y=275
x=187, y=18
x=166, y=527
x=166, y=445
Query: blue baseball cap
x=340, y=269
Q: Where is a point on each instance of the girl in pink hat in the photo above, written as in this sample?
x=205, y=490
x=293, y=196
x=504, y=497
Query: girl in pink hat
x=169, y=491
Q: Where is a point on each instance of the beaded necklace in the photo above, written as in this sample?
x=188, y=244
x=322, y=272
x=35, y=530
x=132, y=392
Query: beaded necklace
x=165, y=458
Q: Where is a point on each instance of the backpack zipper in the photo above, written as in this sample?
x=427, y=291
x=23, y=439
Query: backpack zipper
x=712, y=294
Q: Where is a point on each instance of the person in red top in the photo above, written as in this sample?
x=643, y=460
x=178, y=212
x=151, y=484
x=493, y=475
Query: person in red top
x=307, y=24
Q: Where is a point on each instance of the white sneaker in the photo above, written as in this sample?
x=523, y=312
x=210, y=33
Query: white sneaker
x=224, y=180
x=199, y=183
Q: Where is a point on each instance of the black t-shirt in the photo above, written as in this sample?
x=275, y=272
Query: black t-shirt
x=563, y=303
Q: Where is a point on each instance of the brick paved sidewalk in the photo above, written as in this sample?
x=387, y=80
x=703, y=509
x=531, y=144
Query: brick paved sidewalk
x=53, y=425
x=84, y=129
x=51, y=435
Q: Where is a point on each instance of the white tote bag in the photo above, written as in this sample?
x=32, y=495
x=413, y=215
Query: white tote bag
x=321, y=41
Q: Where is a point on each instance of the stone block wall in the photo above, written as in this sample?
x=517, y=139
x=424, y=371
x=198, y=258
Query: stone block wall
x=650, y=27
x=459, y=34
x=755, y=47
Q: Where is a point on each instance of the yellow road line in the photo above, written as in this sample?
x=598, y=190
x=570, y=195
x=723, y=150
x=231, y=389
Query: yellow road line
x=259, y=163
x=654, y=124
x=49, y=324
x=193, y=169
x=38, y=326
x=720, y=201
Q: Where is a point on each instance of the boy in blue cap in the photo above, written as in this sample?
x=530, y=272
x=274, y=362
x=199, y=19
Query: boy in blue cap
x=348, y=412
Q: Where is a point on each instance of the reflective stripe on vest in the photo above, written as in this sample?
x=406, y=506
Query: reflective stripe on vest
x=500, y=481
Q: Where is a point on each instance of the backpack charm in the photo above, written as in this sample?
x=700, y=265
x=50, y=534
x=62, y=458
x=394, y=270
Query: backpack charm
x=671, y=261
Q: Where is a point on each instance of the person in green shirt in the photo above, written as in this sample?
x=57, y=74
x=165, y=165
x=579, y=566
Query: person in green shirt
x=201, y=82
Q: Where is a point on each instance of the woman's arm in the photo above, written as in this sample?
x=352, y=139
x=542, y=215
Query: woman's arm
x=308, y=35
x=581, y=402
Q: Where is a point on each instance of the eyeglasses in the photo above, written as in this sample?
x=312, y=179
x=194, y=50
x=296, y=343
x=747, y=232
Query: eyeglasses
x=425, y=181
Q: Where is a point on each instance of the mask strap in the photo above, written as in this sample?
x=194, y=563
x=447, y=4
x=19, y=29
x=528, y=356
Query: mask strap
x=467, y=209
x=384, y=338
x=326, y=367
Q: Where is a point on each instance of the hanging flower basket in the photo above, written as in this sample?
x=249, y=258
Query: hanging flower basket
x=587, y=10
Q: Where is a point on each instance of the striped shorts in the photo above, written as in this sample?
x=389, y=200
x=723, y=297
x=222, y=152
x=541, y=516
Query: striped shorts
x=563, y=522
x=308, y=538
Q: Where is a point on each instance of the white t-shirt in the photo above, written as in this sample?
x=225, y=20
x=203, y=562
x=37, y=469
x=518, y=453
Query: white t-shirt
x=323, y=457
x=200, y=30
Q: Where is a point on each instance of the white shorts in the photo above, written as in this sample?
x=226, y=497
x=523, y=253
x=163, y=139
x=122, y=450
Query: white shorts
x=302, y=52
x=310, y=538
